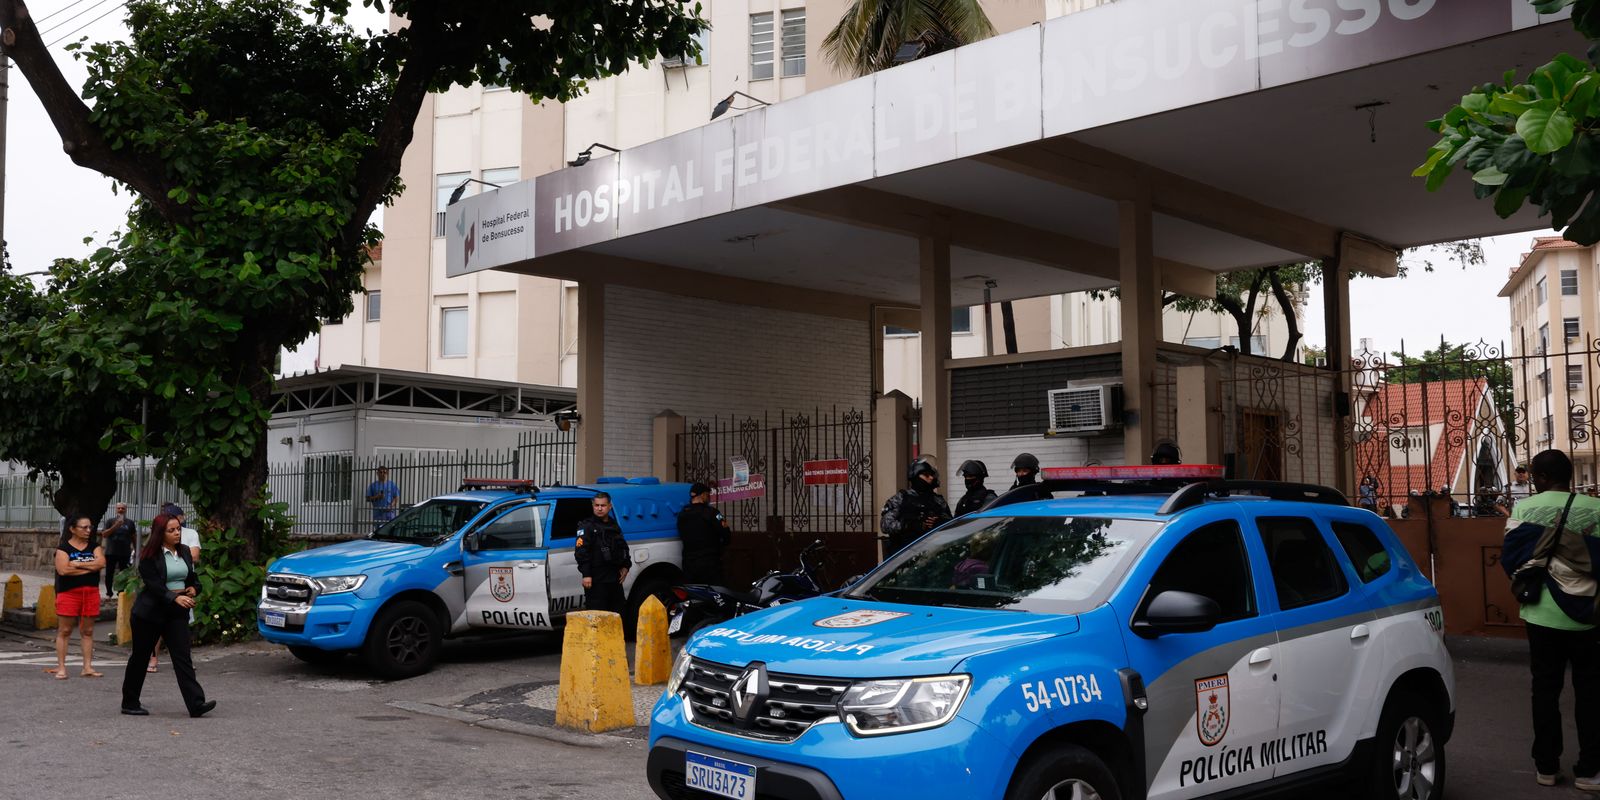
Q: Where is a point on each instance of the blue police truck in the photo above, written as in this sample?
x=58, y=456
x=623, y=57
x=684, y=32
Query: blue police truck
x=1110, y=633
x=497, y=555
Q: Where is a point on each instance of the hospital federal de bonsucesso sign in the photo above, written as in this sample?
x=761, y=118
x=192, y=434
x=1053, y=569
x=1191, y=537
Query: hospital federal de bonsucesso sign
x=1112, y=63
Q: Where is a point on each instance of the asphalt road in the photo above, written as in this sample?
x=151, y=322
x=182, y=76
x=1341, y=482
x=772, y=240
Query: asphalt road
x=284, y=730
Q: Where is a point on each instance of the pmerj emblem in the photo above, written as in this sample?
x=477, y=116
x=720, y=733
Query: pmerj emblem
x=859, y=619
x=502, y=586
x=1211, y=709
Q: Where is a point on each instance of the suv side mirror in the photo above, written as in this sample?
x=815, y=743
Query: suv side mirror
x=1173, y=611
x=469, y=543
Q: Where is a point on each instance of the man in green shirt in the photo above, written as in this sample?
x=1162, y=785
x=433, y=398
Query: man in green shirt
x=1555, y=639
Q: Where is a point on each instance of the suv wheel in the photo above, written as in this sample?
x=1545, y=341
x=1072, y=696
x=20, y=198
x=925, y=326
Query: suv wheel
x=1065, y=772
x=1408, y=763
x=404, y=641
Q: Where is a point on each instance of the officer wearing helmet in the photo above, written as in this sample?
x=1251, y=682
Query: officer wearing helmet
x=973, y=472
x=1026, y=467
x=1166, y=453
x=916, y=509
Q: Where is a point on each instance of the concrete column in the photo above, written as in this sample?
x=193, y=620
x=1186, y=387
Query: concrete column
x=1199, y=414
x=591, y=380
x=664, y=432
x=935, y=343
x=1141, y=326
x=1336, y=313
x=891, y=448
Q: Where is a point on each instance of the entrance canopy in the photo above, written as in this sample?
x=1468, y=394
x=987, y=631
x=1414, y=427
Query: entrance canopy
x=1257, y=132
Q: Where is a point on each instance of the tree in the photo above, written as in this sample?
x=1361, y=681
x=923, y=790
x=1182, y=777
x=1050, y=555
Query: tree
x=1535, y=140
x=872, y=34
x=1455, y=362
x=258, y=142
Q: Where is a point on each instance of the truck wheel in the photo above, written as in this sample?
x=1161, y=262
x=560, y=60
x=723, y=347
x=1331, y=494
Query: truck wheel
x=316, y=655
x=1408, y=761
x=655, y=587
x=1064, y=772
x=404, y=641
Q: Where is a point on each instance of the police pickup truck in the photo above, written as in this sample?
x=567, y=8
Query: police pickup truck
x=496, y=555
x=1147, y=632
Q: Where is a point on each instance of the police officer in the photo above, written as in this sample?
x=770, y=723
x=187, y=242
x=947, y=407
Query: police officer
x=973, y=472
x=1166, y=453
x=1026, y=467
x=916, y=509
x=603, y=557
x=705, y=535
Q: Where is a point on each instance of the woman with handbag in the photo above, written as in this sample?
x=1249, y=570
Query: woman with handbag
x=166, y=568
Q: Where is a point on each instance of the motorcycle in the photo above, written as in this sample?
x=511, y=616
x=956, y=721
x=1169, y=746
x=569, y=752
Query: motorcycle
x=713, y=605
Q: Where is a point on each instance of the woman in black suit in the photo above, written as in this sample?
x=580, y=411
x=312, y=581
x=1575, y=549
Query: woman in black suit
x=162, y=612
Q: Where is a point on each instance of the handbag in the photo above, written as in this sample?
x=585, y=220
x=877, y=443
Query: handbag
x=1528, y=581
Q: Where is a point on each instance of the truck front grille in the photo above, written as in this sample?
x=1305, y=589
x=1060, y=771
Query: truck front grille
x=289, y=589
x=792, y=705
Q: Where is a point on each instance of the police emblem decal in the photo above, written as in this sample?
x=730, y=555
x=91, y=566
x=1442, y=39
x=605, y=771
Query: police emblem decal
x=1211, y=709
x=502, y=585
x=859, y=619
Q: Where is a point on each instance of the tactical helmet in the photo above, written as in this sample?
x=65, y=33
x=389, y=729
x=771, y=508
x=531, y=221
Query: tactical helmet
x=1026, y=461
x=1166, y=453
x=920, y=466
x=973, y=468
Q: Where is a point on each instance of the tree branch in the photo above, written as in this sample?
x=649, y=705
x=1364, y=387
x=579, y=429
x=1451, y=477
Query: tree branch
x=80, y=139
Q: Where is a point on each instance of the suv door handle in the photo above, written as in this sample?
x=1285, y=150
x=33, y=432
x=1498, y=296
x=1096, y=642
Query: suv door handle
x=527, y=565
x=1360, y=633
x=1260, y=656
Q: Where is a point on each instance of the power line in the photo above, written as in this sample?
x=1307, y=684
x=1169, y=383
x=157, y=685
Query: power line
x=113, y=10
x=41, y=20
x=46, y=31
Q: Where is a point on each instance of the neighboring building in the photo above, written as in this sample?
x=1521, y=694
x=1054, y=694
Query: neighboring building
x=1414, y=438
x=1554, y=322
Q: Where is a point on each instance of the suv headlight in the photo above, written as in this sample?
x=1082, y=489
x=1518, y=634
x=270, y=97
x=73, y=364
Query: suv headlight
x=680, y=670
x=339, y=584
x=872, y=708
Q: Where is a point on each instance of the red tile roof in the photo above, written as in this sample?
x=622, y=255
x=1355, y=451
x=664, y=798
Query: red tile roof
x=1398, y=407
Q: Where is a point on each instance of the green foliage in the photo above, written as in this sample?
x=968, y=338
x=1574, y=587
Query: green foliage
x=1536, y=140
x=231, y=577
x=1454, y=362
x=872, y=32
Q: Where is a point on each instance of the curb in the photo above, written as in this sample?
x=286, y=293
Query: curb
x=591, y=741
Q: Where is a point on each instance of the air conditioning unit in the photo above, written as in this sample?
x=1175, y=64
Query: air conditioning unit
x=1084, y=409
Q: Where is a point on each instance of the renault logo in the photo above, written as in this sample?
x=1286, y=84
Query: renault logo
x=748, y=692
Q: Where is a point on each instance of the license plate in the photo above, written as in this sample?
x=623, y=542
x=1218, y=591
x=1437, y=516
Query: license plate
x=676, y=622
x=719, y=776
x=274, y=619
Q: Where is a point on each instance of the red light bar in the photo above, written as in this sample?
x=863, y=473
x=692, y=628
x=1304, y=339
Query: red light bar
x=1199, y=472
x=497, y=483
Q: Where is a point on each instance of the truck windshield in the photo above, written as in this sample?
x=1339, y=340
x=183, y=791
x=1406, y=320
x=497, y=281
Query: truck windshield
x=429, y=522
x=1048, y=565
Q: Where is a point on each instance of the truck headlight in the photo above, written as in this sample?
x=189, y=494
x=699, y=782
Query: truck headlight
x=871, y=708
x=680, y=670
x=339, y=584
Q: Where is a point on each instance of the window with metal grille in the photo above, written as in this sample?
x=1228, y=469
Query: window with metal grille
x=1569, y=328
x=1574, y=377
x=442, y=187
x=760, y=46
x=1569, y=281
x=794, y=42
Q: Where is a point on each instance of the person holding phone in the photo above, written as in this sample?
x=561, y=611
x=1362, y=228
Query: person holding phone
x=166, y=567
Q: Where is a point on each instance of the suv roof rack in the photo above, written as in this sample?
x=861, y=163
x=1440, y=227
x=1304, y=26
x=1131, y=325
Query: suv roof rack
x=513, y=484
x=1195, y=494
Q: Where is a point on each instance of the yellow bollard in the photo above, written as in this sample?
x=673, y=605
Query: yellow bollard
x=652, y=652
x=44, y=612
x=594, y=694
x=125, y=618
x=13, y=593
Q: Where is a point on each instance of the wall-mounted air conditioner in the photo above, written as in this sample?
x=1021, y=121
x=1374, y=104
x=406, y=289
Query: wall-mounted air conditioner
x=1084, y=409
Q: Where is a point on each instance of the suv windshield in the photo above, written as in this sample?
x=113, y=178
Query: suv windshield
x=1047, y=565
x=429, y=522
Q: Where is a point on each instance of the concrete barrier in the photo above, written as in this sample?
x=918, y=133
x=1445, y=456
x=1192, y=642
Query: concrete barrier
x=13, y=597
x=44, y=611
x=125, y=618
x=594, y=695
x=652, y=651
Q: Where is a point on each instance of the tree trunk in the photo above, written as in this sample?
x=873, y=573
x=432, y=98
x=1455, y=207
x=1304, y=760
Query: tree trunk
x=1287, y=304
x=87, y=487
x=239, y=487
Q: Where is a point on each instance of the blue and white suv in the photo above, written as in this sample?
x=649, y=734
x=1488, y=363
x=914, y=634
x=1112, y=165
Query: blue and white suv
x=1173, y=636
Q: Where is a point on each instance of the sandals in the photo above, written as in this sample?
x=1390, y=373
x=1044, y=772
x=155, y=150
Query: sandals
x=89, y=673
x=152, y=667
x=58, y=675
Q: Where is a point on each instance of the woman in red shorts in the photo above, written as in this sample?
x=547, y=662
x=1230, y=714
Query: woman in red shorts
x=79, y=560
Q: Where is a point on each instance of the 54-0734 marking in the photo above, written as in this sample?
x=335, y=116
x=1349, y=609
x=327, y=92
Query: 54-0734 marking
x=1063, y=691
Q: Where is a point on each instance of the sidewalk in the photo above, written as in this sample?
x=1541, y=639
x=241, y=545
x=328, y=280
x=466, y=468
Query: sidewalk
x=32, y=581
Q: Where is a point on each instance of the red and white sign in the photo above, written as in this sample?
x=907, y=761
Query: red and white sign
x=826, y=472
x=725, y=491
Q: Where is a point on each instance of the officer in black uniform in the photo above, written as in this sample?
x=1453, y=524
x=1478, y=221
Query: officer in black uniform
x=973, y=472
x=1026, y=467
x=603, y=558
x=916, y=509
x=1166, y=453
x=705, y=535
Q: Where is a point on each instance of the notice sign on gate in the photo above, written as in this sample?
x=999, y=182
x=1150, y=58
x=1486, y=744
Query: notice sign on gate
x=826, y=472
x=727, y=490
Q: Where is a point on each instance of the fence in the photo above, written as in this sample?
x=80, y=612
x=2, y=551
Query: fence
x=326, y=494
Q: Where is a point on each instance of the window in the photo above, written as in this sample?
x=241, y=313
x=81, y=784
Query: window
x=453, y=332
x=1210, y=562
x=1569, y=328
x=1574, y=377
x=702, y=40
x=517, y=529
x=1541, y=291
x=896, y=330
x=1569, y=282
x=961, y=319
x=374, y=306
x=1364, y=548
x=1544, y=382
x=1544, y=338
x=442, y=187
x=1258, y=344
x=326, y=477
x=569, y=513
x=760, y=47
x=794, y=42
x=1303, y=568
x=503, y=176
x=1205, y=342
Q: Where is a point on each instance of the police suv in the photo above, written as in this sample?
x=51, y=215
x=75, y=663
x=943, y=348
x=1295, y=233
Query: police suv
x=1148, y=632
x=496, y=555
